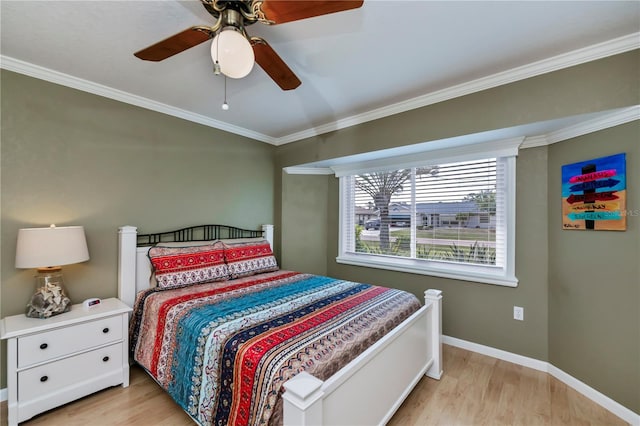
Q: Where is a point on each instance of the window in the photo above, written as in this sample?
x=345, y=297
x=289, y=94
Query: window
x=452, y=217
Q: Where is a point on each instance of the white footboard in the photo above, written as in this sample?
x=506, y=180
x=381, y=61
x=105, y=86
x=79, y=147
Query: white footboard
x=370, y=389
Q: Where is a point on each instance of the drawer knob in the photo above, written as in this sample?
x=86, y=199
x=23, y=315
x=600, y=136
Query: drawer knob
x=44, y=378
x=105, y=359
x=105, y=330
x=44, y=346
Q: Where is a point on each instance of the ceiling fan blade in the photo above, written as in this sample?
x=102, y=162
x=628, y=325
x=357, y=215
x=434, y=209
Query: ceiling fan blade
x=281, y=11
x=273, y=65
x=175, y=44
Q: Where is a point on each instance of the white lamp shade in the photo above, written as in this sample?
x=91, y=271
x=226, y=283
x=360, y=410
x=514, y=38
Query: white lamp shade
x=53, y=246
x=233, y=52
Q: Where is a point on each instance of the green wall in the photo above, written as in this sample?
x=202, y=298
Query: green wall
x=483, y=313
x=594, y=278
x=73, y=158
x=305, y=214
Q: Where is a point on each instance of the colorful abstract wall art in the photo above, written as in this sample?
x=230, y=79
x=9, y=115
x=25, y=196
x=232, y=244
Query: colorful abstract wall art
x=594, y=195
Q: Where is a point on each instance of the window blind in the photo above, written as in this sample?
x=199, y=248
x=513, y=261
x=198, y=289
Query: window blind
x=450, y=213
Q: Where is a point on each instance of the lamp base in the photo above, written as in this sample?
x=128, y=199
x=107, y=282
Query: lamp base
x=50, y=298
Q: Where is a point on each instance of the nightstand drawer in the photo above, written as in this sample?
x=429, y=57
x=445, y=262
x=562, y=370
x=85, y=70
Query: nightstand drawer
x=59, y=342
x=38, y=381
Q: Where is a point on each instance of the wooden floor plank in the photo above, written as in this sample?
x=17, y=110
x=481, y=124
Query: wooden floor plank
x=474, y=390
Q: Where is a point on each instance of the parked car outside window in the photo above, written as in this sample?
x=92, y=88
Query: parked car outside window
x=372, y=224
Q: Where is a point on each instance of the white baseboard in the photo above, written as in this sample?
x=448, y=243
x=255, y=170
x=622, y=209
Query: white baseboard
x=619, y=410
x=3, y=394
x=497, y=353
x=599, y=398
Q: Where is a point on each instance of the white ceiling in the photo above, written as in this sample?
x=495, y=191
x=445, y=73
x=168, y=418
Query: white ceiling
x=357, y=65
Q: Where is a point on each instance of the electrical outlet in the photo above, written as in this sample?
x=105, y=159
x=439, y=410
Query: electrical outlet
x=518, y=313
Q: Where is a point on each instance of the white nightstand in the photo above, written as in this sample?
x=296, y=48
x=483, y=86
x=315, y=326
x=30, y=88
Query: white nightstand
x=53, y=361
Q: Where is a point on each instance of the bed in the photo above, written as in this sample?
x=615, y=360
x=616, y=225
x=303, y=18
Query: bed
x=331, y=352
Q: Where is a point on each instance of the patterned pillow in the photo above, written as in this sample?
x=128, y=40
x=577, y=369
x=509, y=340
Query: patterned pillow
x=180, y=266
x=249, y=258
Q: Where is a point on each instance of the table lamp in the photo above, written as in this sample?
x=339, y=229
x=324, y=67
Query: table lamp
x=47, y=249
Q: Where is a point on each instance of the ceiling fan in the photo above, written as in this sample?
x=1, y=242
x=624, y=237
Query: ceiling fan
x=233, y=50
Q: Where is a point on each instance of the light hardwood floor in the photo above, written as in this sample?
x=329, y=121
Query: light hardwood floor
x=475, y=390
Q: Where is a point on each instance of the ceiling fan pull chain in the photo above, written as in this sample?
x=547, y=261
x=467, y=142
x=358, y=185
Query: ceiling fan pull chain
x=225, y=105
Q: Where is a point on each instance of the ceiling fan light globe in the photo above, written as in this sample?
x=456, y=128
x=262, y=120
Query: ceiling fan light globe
x=233, y=52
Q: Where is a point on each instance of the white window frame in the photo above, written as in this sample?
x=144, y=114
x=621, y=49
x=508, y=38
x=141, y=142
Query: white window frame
x=488, y=274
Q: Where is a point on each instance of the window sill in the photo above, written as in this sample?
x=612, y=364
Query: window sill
x=412, y=266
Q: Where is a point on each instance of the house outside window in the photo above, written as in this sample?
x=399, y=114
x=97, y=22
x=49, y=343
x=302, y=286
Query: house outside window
x=451, y=218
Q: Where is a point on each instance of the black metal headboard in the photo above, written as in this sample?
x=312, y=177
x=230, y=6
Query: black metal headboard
x=197, y=233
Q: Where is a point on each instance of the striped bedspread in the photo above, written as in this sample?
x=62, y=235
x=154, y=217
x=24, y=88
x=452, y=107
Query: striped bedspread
x=223, y=350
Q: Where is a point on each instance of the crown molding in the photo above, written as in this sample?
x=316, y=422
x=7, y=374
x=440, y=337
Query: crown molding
x=456, y=153
x=42, y=73
x=576, y=57
x=554, y=63
x=302, y=170
x=622, y=116
x=535, y=141
x=617, y=118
